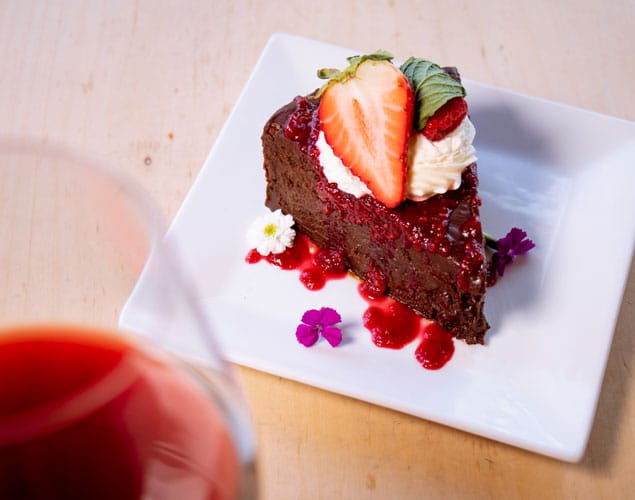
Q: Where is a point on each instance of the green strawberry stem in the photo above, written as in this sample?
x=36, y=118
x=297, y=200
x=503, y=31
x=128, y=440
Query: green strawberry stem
x=334, y=75
x=490, y=241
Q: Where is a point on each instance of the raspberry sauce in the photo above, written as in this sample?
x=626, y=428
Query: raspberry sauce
x=316, y=266
x=436, y=347
x=303, y=124
x=391, y=324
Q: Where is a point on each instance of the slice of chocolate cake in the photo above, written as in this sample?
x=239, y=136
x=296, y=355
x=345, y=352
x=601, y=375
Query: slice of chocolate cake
x=404, y=222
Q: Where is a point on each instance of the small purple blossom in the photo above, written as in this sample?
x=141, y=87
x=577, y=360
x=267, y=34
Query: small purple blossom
x=316, y=322
x=513, y=244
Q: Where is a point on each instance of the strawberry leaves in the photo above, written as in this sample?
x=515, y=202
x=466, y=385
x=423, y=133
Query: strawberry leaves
x=336, y=75
x=433, y=87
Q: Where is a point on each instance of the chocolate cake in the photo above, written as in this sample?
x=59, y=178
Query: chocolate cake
x=426, y=254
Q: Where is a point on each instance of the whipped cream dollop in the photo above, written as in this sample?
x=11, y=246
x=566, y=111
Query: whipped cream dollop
x=338, y=173
x=434, y=167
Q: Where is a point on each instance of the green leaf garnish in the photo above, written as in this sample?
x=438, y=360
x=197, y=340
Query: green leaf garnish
x=335, y=75
x=432, y=86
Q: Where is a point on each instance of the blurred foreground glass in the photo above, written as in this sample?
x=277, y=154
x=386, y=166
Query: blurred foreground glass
x=88, y=411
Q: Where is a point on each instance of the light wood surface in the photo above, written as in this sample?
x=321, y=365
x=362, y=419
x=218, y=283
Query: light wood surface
x=147, y=85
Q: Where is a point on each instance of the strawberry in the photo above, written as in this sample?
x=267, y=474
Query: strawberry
x=366, y=115
x=445, y=119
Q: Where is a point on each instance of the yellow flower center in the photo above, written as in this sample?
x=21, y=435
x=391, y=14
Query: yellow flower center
x=270, y=230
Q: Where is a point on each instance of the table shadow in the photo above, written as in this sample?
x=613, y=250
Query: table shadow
x=610, y=417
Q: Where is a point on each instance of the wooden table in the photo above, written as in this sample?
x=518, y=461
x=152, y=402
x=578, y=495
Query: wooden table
x=147, y=85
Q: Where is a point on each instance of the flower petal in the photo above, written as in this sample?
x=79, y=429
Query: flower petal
x=312, y=317
x=271, y=233
x=330, y=316
x=512, y=239
x=517, y=235
x=524, y=246
x=306, y=335
x=501, y=261
x=333, y=335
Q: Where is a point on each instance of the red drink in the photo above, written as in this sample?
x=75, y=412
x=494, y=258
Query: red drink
x=87, y=415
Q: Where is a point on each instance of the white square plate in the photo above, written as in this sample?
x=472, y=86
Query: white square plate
x=565, y=175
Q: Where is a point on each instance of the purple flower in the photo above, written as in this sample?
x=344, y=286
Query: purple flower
x=509, y=247
x=316, y=322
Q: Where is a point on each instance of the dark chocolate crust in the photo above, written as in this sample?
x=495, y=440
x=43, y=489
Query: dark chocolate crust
x=429, y=253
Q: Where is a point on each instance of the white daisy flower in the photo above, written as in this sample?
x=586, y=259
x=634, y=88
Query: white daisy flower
x=271, y=233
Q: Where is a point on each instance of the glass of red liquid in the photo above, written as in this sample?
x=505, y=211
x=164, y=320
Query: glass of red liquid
x=87, y=410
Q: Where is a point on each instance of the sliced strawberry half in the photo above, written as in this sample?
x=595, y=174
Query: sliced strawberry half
x=366, y=116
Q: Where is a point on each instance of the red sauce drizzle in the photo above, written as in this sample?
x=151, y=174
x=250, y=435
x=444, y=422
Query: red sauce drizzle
x=391, y=324
x=253, y=257
x=436, y=347
x=316, y=266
